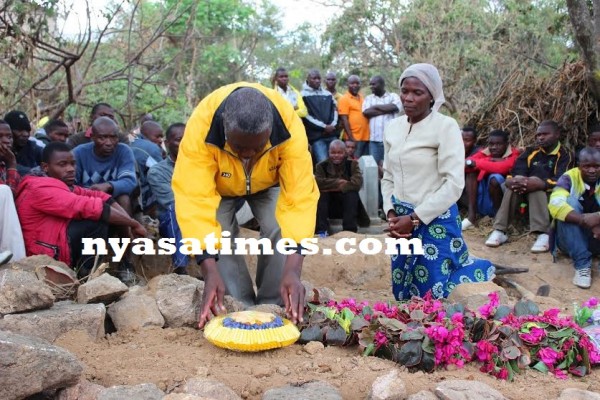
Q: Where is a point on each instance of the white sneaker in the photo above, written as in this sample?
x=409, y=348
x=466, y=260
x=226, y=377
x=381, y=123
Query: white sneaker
x=542, y=244
x=583, y=278
x=466, y=224
x=5, y=257
x=496, y=239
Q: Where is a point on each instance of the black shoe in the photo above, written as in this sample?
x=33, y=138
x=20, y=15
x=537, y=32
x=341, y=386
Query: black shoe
x=5, y=257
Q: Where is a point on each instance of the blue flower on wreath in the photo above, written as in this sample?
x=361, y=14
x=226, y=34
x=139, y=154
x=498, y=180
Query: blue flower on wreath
x=491, y=271
x=470, y=260
x=437, y=231
x=456, y=244
x=408, y=279
x=438, y=290
x=398, y=276
x=464, y=279
x=421, y=273
x=450, y=286
x=464, y=257
x=430, y=251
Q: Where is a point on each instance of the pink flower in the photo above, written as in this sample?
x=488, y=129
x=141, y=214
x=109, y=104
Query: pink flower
x=488, y=310
x=380, y=339
x=560, y=374
x=502, y=374
x=437, y=333
x=534, y=336
x=485, y=350
x=591, y=303
x=548, y=356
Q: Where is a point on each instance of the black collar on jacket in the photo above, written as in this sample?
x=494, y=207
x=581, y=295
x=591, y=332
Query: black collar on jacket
x=216, y=133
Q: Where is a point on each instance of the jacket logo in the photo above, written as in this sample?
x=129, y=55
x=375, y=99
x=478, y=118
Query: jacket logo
x=272, y=168
x=226, y=174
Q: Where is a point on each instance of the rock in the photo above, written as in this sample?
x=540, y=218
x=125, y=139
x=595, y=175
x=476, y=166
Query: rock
x=209, y=388
x=325, y=294
x=283, y=370
x=104, y=289
x=135, y=312
x=84, y=390
x=304, y=391
x=178, y=298
x=313, y=347
x=32, y=262
x=423, y=395
x=31, y=365
x=185, y=396
x=475, y=295
x=388, y=387
x=578, y=394
x=269, y=308
x=466, y=390
x=145, y=391
x=232, y=304
x=22, y=291
x=547, y=303
x=63, y=317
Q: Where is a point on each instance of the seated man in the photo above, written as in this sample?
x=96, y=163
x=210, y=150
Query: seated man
x=11, y=237
x=594, y=137
x=147, y=152
x=535, y=174
x=108, y=166
x=350, y=149
x=54, y=130
x=574, y=204
x=98, y=110
x=159, y=179
x=27, y=152
x=55, y=214
x=339, y=181
x=486, y=172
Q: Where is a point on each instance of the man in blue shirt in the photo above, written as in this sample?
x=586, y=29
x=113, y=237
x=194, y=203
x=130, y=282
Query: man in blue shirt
x=147, y=152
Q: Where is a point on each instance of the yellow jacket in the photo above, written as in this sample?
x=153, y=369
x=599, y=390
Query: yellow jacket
x=302, y=111
x=207, y=169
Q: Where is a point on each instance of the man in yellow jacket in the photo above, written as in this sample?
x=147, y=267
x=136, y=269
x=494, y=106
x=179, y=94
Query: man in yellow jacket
x=245, y=141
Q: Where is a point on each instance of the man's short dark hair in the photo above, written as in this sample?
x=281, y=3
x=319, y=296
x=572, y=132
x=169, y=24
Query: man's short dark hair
x=54, y=147
x=97, y=106
x=588, y=151
x=103, y=121
x=172, y=127
x=470, y=129
x=500, y=133
x=247, y=110
x=54, y=124
x=552, y=124
x=594, y=128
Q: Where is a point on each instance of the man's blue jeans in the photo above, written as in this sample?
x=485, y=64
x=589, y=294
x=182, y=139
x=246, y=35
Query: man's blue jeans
x=169, y=228
x=320, y=148
x=576, y=241
x=376, y=150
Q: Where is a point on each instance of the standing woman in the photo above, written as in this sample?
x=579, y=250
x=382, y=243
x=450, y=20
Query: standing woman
x=423, y=178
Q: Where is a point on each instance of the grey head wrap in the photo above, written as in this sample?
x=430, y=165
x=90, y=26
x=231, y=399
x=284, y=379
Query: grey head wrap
x=430, y=77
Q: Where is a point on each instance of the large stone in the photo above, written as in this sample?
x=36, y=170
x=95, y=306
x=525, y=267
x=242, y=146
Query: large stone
x=145, y=391
x=134, y=312
x=178, y=298
x=304, y=391
x=388, y=387
x=104, y=289
x=232, y=304
x=324, y=294
x=22, y=291
x=578, y=394
x=423, y=395
x=369, y=192
x=32, y=262
x=63, y=317
x=30, y=365
x=466, y=390
x=84, y=390
x=475, y=295
x=209, y=388
x=185, y=396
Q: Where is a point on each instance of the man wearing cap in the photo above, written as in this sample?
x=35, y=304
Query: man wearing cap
x=27, y=152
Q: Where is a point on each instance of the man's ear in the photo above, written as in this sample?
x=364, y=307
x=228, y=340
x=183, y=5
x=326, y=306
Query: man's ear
x=44, y=167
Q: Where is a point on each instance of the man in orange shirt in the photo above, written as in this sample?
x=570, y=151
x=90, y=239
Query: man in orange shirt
x=356, y=125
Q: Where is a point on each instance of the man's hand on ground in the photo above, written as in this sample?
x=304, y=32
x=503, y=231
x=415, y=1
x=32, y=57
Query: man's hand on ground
x=138, y=230
x=292, y=290
x=214, y=291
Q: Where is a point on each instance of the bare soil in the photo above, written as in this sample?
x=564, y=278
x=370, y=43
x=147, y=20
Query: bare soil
x=167, y=357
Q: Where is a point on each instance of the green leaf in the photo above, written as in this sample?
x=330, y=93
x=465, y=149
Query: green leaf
x=417, y=315
x=412, y=334
x=358, y=324
x=410, y=354
x=540, y=366
x=369, y=349
x=511, y=353
x=335, y=336
x=502, y=312
x=311, y=334
x=392, y=324
x=563, y=333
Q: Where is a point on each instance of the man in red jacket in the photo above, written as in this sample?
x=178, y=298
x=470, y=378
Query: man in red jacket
x=485, y=173
x=55, y=214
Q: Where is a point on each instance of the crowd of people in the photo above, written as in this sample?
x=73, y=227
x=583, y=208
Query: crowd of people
x=291, y=154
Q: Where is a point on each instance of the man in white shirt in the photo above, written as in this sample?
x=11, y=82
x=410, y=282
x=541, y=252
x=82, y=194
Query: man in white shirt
x=380, y=107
